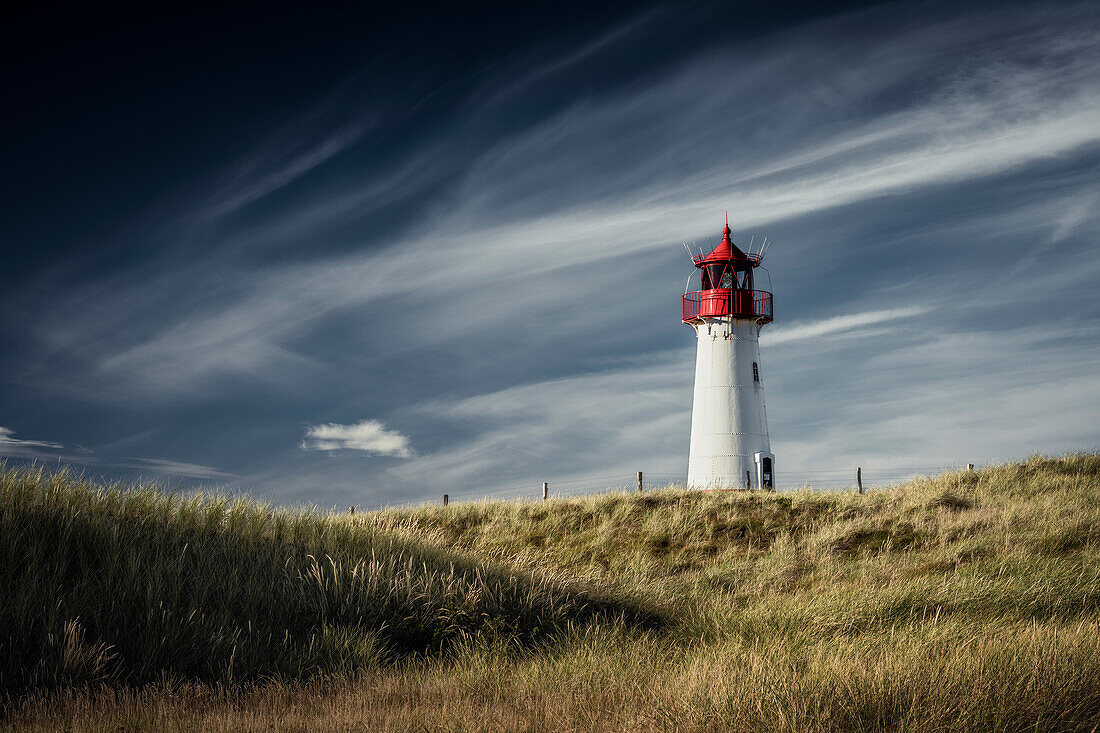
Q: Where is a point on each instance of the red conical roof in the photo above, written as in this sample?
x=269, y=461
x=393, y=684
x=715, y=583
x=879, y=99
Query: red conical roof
x=726, y=249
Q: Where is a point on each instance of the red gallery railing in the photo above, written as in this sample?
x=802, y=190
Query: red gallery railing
x=720, y=302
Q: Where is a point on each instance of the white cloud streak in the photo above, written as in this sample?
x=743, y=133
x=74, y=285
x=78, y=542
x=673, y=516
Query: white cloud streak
x=180, y=468
x=368, y=436
x=42, y=449
x=937, y=397
x=270, y=170
x=628, y=419
x=848, y=324
x=12, y=446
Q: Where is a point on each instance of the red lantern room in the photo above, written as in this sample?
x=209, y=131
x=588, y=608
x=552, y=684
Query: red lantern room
x=726, y=289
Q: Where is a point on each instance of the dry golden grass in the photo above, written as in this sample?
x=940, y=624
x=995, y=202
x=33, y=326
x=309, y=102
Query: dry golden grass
x=968, y=601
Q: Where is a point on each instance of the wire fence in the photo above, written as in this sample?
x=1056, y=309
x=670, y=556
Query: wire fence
x=865, y=477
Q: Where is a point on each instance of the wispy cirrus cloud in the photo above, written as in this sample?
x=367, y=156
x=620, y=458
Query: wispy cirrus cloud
x=367, y=436
x=901, y=174
x=40, y=449
x=12, y=446
x=269, y=170
x=851, y=323
x=180, y=468
x=986, y=117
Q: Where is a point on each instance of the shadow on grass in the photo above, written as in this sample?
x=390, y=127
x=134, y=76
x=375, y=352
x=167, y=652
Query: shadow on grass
x=130, y=587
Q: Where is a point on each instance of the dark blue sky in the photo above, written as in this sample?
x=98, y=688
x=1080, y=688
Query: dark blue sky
x=360, y=256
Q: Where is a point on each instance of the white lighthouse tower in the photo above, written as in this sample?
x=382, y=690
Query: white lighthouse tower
x=729, y=428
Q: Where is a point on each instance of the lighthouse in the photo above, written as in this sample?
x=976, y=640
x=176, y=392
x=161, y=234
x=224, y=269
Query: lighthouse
x=729, y=428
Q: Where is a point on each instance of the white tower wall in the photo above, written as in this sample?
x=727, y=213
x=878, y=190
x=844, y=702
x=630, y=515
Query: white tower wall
x=729, y=427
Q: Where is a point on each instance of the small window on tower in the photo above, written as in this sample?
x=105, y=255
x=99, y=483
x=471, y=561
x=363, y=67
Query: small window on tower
x=755, y=372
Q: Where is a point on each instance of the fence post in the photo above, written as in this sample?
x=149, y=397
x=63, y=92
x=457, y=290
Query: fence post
x=748, y=480
x=639, y=482
x=970, y=467
x=545, y=490
x=445, y=499
x=351, y=510
x=859, y=478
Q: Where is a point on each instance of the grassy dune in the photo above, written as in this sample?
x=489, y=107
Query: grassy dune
x=967, y=601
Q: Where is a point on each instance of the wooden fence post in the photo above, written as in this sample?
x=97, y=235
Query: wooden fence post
x=859, y=478
x=748, y=480
x=545, y=490
x=639, y=482
x=445, y=499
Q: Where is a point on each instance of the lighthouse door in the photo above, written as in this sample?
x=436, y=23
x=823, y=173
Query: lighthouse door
x=766, y=472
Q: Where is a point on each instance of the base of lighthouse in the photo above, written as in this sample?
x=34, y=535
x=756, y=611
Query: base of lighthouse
x=729, y=428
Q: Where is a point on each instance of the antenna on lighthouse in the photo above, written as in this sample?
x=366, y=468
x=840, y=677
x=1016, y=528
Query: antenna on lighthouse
x=690, y=255
x=764, y=248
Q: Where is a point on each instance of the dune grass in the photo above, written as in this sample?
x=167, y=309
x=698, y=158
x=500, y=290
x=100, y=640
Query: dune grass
x=967, y=601
x=104, y=584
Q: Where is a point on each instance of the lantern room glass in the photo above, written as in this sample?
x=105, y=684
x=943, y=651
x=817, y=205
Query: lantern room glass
x=712, y=277
x=727, y=276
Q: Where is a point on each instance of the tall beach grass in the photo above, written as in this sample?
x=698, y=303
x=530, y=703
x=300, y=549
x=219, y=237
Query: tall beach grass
x=966, y=601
